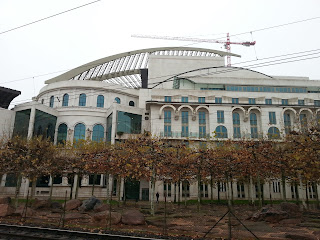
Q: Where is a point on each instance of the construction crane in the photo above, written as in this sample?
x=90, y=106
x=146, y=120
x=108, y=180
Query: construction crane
x=226, y=43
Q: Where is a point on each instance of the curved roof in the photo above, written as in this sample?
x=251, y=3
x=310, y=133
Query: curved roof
x=124, y=68
x=6, y=96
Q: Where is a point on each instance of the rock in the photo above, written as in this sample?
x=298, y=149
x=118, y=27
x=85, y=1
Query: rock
x=75, y=216
x=133, y=217
x=19, y=211
x=101, y=207
x=269, y=214
x=5, y=200
x=6, y=210
x=56, y=205
x=41, y=204
x=89, y=204
x=73, y=204
x=300, y=236
x=102, y=217
x=292, y=209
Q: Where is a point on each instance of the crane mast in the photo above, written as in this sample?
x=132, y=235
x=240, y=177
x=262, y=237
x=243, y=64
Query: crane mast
x=226, y=43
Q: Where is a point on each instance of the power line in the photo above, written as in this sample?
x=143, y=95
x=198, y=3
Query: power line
x=54, y=15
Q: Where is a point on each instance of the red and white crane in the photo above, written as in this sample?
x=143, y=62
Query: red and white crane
x=226, y=43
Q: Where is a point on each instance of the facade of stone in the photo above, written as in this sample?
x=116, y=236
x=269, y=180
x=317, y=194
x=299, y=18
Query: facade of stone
x=180, y=94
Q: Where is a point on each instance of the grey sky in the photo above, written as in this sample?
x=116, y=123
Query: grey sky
x=104, y=28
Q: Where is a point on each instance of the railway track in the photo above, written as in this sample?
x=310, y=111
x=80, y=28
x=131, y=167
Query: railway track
x=15, y=232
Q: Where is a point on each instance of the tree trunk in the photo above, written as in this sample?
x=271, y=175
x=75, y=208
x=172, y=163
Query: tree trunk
x=315, y=187
x=270, y=195
x=218, y=186
x=283, y=184
x=175, y=193
x=33, y=188
x=297, y=192
x=93, y=184
x=302, y=198
x=231, y=189
x=251, y=191
x=199, y=191
x=153, y=185
x=185, y=195
x=179, y=191
x=259, y=192
x=124, y=191
x=118, y=190
x=211, y=185
x=228, y=192
x=107, y=187
x=16, y=195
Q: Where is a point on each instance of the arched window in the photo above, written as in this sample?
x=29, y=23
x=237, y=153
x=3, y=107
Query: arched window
x=253, y=125
x=79, y=131
x=51, y=101
x=287, y=122
x=131, y=103
x=117, y=100
x=98, y=133
x=65, y=100
x=82, y=99
x=100, y=101
x=221, y=132
x=236, y=125
x=62, y=133
x=273, y=133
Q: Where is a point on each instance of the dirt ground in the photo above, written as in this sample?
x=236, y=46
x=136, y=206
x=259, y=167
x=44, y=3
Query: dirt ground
x=182, y=221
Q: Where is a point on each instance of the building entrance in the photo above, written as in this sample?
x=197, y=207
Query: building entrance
x=132, y=189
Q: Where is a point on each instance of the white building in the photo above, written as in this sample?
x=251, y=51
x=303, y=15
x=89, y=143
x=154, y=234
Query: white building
x=179, y=93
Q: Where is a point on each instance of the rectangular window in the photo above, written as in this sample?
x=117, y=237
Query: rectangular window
x=268, y=101
x=167, y=98
x=185, y=124
x=317, y=102
x=184, y=99
x=287, y=123
x=220, y=116
x=218, y=100
x=272, y=118
x=240, y=190
x=300, y=102
x=167, y=124
x=276, y=187
x=235, y=100
x=201, y=99
x=284, y=102
x=129, y=123
x=202, y=124
x=252, y=101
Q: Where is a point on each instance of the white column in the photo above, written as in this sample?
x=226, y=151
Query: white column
x=114, y=125
x=3, y=180
x=26, y=187
x=31, y=121
x=75, y=183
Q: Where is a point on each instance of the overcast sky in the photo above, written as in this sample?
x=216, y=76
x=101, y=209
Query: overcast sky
x=104, y=28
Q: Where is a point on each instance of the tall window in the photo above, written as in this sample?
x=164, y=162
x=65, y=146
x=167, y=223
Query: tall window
x=300, y=102
x=303, y=120
x=272, y=118
x=98, y=133
x=51, y=101
x=65, y=100
x=284, y=101
x=220, y=116
x=316, y=102
x=167, y=98
x=79, y=131
x=202, y=124
x=184, y=124
x=252, y=101
x=235, y=100
x=253, y=125
x=82, y=99
x=184, y=99
x=236, y=125
x=167, y=124
x=201, y=99
x=221, y=132
x=218, y=100
x=268, y=101
x=100, y=101
x=273, y=133
x=62, y=133
x=117, y=100
x=287, y=123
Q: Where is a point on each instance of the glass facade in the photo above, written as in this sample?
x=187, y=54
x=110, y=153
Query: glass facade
x=272, y=118
x=220, y=116
x=79, y=131
x=253, y=125
x=221, y=132
x=44, y=125
x=129, y=123
x=62, y=133
x=266, y=89
x=236, y=125
x=98, y=133
x=21, y=123
x=82, y=99
x=317, y=102
x=100, y=101
x=65, y=100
